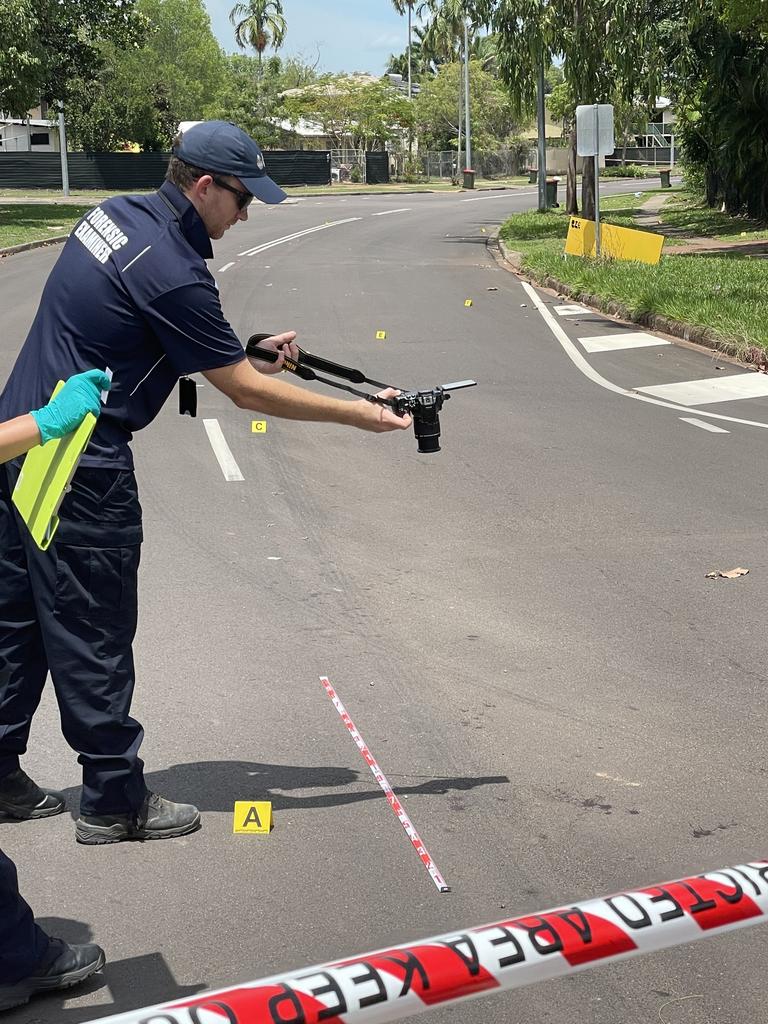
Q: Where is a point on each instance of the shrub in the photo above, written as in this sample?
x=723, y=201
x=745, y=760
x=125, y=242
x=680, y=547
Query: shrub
x=628, y=171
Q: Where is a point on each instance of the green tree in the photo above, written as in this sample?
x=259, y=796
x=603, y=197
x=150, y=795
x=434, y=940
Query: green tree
x=49, y=45
x=744, y=15
x=259, y=24
x=607, y=49
x=144, y=92
x=255, y=104
x=494, y=120
x=21, y=57
x=367, y=115
x=720, y=82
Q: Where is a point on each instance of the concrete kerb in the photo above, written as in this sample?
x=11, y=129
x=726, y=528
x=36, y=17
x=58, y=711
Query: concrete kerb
x=25, y=246
x=691, y=333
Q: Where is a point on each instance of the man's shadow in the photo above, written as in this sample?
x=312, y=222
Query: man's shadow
x=132, y=983
x=216, y=785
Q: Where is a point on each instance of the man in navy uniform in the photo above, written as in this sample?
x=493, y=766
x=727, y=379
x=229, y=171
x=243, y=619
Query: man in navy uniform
x=32, y=962
x=131, y=295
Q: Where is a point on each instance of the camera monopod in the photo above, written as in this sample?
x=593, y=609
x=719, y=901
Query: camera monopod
x=424, y=406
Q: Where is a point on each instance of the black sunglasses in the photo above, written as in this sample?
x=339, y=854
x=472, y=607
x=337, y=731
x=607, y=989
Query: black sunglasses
x=243, y=198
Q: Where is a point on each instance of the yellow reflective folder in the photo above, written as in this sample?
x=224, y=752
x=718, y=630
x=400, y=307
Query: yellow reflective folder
x=45, y=477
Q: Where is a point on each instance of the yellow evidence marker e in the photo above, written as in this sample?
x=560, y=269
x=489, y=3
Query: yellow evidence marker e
x=252, y=818
x=381, y=335
x=258, y=426
x=468, y=302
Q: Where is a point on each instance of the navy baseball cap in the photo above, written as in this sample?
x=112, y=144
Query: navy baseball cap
x=226, y=149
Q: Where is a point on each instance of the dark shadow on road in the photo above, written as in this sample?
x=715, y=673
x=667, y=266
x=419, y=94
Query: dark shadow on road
x=216, y=785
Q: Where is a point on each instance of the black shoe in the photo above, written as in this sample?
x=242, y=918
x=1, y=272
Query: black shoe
x=64, y=966
x=21, y=798
x=158, y=819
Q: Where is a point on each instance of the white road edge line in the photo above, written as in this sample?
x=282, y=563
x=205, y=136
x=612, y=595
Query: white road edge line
x=222, y=451
x=386, y=213
x=501, y=195
x=227, y=266
x=581, y=364
x=704, y=426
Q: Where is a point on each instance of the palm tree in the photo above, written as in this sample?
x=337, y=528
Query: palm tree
x=259, y=23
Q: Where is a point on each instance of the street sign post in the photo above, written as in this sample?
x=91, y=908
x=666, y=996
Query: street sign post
x=594, y=137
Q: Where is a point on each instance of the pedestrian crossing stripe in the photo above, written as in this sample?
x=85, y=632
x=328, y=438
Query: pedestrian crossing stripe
x=252, y=817
x=732, y=388
x=615, y=342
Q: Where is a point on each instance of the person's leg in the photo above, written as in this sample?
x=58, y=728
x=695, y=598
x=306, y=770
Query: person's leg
x=23, y=669
x=86, y=590
x=87, y=601
x=31, y=961
x=23, y=944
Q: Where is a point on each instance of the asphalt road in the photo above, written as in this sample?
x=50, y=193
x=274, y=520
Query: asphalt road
x=520, y=627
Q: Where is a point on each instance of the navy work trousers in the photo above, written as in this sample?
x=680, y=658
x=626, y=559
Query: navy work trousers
x=23, y=944
x=71, y=610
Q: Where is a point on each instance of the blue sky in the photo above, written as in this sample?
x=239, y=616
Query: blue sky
x=351, y=35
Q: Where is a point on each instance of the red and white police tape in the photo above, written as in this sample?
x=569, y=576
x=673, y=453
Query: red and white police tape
x=405, y=980
x=394, y=803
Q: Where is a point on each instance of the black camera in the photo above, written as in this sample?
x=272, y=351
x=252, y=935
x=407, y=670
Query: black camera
x=425, y=407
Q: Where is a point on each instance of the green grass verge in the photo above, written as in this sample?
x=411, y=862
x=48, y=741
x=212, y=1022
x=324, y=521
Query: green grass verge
x=436, y=185
x=31, y=222
x=724, y=293
x=686, y=212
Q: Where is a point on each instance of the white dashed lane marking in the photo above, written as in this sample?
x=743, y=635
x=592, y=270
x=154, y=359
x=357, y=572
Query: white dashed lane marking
x=222, y=451
x=711, y=389
x=615, y=342
x=704, y=426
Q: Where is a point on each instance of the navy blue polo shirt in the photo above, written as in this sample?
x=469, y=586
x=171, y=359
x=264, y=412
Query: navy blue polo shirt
x=131, y=292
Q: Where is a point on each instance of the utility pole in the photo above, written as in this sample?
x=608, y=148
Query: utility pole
x=461, y=123
x=467, y=99
x=541, y=176
x=63, y=148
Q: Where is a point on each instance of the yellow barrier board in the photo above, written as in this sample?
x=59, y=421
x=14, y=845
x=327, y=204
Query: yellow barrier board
x=615, y=243
x=252, y=817
x=45, y=477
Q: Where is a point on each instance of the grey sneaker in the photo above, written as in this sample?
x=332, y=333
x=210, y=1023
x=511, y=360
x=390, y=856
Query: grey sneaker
x=21, y=798
x=158, y=819
x=63, y=966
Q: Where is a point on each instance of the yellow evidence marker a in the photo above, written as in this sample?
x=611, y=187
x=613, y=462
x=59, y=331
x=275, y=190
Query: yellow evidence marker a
x=381, y=335
x=252, y=818
x=468, y=303
x=258, y=426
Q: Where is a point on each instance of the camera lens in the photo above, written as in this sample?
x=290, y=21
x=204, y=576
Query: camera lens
x=427, y=433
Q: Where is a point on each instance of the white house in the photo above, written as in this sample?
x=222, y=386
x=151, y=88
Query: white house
x=34, y=133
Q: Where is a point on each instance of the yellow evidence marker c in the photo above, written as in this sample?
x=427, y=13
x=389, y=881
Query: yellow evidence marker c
x=381, y=335
x=258, y=426
x=252, y=817
x=468, y=303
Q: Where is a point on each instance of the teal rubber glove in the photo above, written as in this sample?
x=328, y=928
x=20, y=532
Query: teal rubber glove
x=65, y=412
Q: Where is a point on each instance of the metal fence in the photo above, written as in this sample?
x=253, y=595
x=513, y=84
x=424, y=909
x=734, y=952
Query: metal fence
x=448, y=164
x=143, y=170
